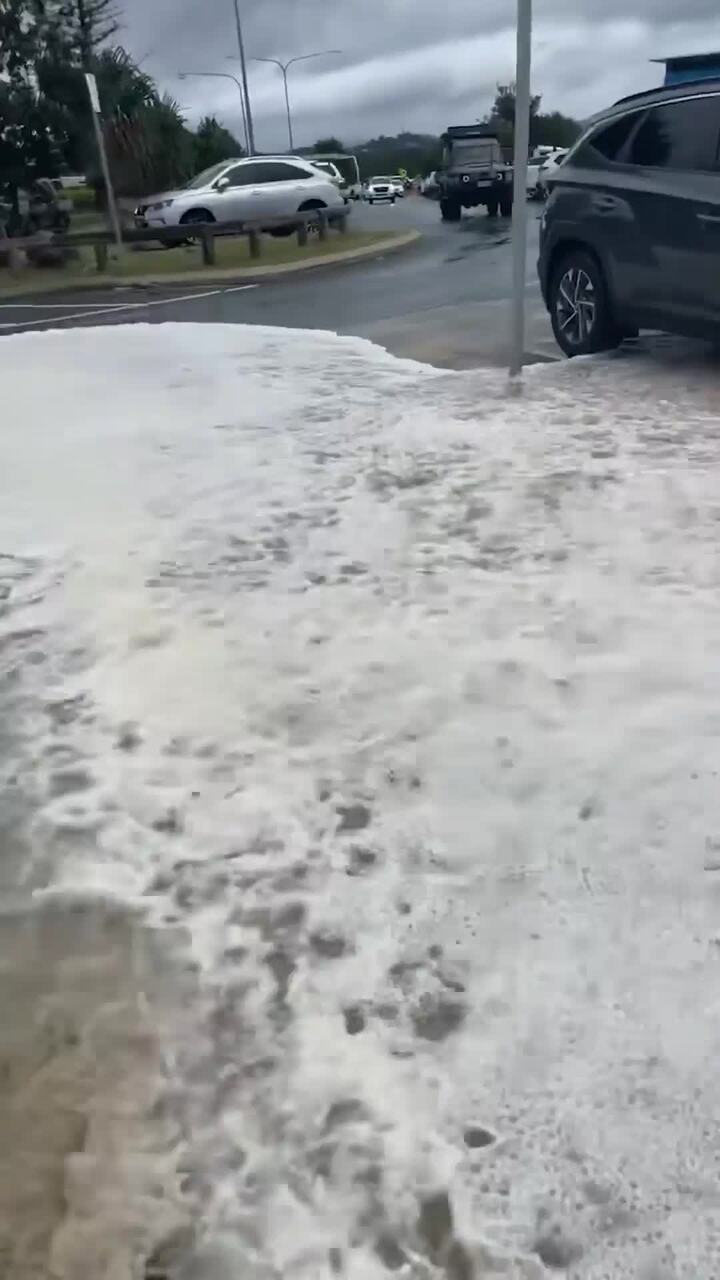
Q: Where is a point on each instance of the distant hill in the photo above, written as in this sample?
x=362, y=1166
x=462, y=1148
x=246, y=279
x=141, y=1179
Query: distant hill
x=417, y=153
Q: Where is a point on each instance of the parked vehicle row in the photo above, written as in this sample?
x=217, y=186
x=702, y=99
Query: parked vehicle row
x=630, y=234
x=541, y=166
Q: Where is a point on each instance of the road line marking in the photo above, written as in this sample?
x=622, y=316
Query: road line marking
x=52, y=306
x=114, y=308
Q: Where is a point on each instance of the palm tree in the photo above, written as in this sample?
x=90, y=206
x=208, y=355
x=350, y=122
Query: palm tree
x=147, y=142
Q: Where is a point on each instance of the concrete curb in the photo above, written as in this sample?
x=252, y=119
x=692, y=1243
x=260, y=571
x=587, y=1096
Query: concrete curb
x=221, y=275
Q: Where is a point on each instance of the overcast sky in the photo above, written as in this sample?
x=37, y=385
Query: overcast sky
x=406, y=64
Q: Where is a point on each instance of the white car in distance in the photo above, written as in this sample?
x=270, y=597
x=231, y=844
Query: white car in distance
x=383, y=189
x=244, y=190
x=548, y=169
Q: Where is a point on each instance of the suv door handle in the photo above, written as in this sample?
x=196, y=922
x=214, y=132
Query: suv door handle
x=708, y=217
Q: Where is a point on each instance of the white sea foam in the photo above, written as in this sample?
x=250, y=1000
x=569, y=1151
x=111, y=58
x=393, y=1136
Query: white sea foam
x=398, y=699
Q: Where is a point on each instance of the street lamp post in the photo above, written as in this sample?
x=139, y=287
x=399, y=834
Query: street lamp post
x=249, y=130
x=284, y=66
x=225, y=75
x=520, y=164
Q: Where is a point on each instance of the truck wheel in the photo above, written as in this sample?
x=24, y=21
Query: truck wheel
x=492, y=207
x=506, y=206
x=451, y=210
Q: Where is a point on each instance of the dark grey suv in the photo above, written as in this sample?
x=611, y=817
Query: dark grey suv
x=630, y=236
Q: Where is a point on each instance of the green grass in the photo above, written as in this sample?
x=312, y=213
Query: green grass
x=235, y=252
x=232, y=254
x=88, y=219
x=82, y=197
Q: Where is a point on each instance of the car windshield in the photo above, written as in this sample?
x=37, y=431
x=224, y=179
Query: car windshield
x=207, y=176
x=381, y=179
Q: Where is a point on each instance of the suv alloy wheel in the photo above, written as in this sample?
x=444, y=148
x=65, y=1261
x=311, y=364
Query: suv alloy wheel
x=579, y=306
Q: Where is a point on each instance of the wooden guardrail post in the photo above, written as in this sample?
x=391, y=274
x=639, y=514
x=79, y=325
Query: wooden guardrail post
x=14, y=258
x=206, y=235
x=207, y=243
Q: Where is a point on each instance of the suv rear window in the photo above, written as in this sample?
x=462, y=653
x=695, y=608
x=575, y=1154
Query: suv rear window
x=248, y=175
x=609, y=142
x=679, y=135
x=280, y=171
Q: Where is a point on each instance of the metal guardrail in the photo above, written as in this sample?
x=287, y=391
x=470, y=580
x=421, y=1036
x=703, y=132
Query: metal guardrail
x=204, y=233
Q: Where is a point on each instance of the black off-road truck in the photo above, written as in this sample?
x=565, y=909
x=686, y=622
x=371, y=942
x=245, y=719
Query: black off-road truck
x=473, y=173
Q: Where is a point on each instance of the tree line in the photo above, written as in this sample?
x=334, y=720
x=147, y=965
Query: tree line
x=46, y=46
x=551, y=129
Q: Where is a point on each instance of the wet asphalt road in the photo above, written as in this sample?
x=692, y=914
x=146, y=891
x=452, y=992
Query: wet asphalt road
x=444, y=300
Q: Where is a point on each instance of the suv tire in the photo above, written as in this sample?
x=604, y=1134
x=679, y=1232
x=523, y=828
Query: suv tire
x=580, y=307
x=450, y=210
x=506, y=206
x=492, y=207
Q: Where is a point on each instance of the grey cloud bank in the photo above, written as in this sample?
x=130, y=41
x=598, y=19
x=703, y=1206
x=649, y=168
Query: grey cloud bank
x=407, y=64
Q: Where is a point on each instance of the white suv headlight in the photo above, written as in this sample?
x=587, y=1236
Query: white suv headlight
x=161, y=204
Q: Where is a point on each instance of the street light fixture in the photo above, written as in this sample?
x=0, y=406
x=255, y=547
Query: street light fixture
x=225, y=75
x=284, y=66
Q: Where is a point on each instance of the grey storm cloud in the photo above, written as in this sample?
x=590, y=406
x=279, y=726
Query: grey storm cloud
x=406, y=64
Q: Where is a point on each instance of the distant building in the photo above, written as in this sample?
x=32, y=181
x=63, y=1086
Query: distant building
x=692, y=66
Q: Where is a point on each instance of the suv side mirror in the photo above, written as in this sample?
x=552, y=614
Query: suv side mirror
x=222, y=183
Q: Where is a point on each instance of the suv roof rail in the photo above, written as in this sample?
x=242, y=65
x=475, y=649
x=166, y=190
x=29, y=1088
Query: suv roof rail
x=672, y=90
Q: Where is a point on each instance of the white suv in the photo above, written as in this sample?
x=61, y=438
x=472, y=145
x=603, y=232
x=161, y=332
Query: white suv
x=240, y=190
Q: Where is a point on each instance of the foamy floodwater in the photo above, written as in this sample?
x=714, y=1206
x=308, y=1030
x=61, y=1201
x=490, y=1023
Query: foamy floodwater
x=359, y=741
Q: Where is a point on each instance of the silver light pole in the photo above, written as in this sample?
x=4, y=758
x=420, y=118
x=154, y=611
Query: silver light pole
x=243, y=73
x=224, y=75
x=520, y=162
x=303, y=57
